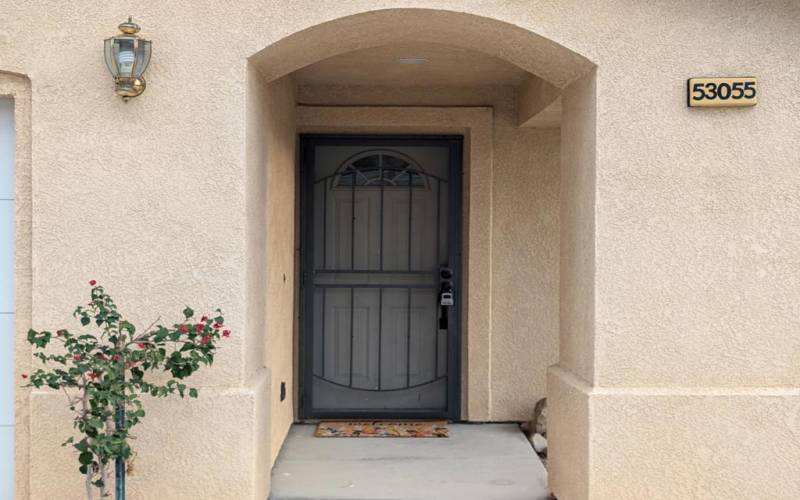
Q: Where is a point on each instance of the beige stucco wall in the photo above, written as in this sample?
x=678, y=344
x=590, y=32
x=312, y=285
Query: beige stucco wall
x=281, y=169
x=270, y=247
x=694, y=288
x=577, y=231
x=568, y=426
x=689, y=365
x=525, y=243
x=712, y=224
x=210, y=447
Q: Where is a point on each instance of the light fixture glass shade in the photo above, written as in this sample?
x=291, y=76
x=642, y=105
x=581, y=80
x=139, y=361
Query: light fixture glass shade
x=143, y=51
x=127, y=57
x=111, y=62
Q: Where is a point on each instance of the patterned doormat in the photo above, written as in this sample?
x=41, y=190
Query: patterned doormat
x=384, y=428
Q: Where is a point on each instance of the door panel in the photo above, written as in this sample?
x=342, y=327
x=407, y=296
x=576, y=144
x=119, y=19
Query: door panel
x=379, y=223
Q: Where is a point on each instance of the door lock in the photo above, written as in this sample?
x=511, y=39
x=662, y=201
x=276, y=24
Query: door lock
x=446, y=295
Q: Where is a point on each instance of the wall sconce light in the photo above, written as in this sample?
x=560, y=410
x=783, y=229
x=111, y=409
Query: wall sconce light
x=127, y=56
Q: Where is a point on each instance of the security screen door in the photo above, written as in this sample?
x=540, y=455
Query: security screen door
x=381, y=226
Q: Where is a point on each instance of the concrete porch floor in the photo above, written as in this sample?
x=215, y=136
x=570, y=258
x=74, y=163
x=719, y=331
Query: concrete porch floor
x=477, y=461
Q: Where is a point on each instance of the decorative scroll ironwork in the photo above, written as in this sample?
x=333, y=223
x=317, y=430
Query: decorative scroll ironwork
x=378, y=169
x=382, y=167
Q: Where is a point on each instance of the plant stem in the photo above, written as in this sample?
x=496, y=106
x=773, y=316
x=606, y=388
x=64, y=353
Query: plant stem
x=103, y=478
x=88, y=483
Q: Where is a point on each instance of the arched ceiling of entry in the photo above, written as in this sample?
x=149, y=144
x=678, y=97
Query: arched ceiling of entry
x=444, y=66
x=535, y=54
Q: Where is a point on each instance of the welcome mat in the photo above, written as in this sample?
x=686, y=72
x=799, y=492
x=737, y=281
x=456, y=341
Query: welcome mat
x=384, y=428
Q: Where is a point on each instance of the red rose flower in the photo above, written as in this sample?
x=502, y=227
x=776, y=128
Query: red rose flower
x=61, y=333
x=76, y=357
x=24, y=375
x=183, y=328
x=199, y=327
x=141, y=345
x=217, y=326
x=226, y=333
x=204, y=319
x=115, y=357
x=92, y=375
x=92, y=282
x=205, y=340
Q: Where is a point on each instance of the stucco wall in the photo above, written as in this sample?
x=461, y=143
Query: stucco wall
x=281, y=171
x=697, y=228
x=695, y=231
x=270, y=253
x=210, y=447
x=568, y=426
x=576, y=283
x=570, y=381
x=525, y=258
x=696, y=268
x=706, y=440
x=256, y=295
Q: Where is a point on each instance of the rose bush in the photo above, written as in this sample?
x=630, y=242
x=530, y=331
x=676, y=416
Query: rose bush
x=104, y=374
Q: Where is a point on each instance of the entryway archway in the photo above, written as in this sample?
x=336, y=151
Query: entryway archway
x=518, y=225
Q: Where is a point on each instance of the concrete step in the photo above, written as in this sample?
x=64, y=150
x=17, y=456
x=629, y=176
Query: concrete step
x=477, y=462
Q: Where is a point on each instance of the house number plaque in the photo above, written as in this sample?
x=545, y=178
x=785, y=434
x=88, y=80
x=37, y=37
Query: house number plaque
x=723, y=92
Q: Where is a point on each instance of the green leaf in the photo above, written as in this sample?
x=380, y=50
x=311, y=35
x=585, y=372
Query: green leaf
x=188, y=312
x=128, y=327
x=85, y=458
x=192, y=392
x=85, y=320
x=82, y=445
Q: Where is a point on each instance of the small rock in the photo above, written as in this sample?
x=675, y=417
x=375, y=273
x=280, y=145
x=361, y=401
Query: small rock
x=540, y=417
x=539, y=443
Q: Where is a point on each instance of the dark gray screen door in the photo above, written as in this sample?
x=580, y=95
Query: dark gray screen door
x=381, y=222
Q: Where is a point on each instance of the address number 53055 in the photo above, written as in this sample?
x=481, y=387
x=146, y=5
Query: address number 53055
x=722, y=92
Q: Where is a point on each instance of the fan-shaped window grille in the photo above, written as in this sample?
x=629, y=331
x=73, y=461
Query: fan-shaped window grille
x=377, y=168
